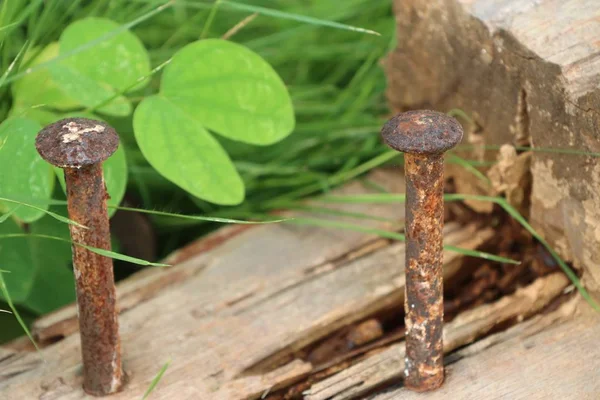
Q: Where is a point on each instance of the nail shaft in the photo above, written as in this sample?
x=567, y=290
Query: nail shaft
x=423, y=136
x=424, y=309
x=94, y=279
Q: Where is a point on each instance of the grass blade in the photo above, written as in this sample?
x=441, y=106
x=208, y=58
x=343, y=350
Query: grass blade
x=335, y=179
x=379, y=198
x=398, y=236
x=533, y=149
x=565, y=268
x=469, y=167
x=15, y=312
x=156, y=379
x=102, y=252
x=209, y=20
x=6, y=216
x=393, y=198
x=47, y=212
x=4, y=77
x=457, y=112
x=232, y=5
x=197, y=217
x=296, y=17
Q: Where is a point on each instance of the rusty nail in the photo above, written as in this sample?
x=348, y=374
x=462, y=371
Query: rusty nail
x=424, y=136
x=79, y=146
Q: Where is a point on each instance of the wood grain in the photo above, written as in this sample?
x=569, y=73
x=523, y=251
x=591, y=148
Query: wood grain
x=232, y=325
x=386, y=367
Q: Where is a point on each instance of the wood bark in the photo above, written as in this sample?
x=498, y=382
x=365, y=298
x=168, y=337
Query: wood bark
x=528, y=73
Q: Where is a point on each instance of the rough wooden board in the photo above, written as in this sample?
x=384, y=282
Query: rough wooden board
x=388, y=365
x=301, y=248
x=525, y=70
x=258, y=296
x=540, y=359
x=213, y=343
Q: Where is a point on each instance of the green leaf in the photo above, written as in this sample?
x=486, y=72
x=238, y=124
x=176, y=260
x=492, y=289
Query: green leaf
x=53, y=283
x=115, y=176
x=181, y=150
x=25, y=174
x=16, y=258
x=231, y=90
x=216, y=85
x=35, y=113
x=88, y=91
x=117, y=61
x=39, y=87
x=98, y=73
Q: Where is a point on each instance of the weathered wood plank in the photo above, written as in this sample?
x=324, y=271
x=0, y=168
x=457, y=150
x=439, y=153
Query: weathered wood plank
x=527, y=72
x=295, y=248
x=544, y=358
x=231, y=327
x=212, y=344
x=387, y=366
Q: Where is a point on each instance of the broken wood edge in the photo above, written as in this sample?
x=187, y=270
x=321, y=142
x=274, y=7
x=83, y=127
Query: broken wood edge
x=470, y=236
x=388, y=365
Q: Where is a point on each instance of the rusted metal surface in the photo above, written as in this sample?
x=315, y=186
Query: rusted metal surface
x=422, y=132
x=79, y=146
x=424, y=286
x=76, y=142
x=423, y=136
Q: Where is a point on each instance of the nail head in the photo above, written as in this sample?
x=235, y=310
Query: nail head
x=422, y=132
x=76, y=142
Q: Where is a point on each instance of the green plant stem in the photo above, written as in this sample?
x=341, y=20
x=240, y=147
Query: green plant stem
x=209, y=20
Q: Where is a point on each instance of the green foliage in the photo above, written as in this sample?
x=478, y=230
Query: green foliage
x=183, y=151
x=90, y=64
x=216, y=85
x=24, y=173
x=16, y=258
x=116, y=61
x=53, y=284
x=38, y=87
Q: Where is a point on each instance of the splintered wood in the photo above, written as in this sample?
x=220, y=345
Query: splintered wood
x=237, y=312
x=388, y=365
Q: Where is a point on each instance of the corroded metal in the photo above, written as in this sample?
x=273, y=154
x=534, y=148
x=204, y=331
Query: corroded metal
x=424, y=136
x=79, y=146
